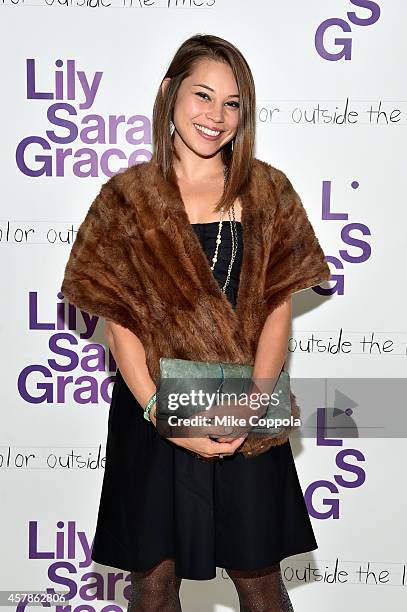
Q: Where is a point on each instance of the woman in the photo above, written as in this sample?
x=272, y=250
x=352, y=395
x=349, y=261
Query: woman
x=179, y=507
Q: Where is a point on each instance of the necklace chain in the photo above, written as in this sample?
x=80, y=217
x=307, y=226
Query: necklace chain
x=233, y=231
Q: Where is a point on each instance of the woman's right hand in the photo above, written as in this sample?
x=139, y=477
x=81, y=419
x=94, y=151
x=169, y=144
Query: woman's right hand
x=200, y=443
x=208, y=448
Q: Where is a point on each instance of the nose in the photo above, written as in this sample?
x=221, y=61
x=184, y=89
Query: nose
x=215, y=114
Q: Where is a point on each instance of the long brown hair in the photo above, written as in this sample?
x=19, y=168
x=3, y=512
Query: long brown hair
x=238, y=161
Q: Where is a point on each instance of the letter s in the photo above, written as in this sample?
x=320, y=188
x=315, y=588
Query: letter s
x=352, y=469
x=348, y=239
x=373, y=7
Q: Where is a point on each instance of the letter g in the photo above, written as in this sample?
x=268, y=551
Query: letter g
x=346, y=50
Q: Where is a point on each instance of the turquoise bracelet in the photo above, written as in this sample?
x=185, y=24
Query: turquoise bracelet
x=150, y=404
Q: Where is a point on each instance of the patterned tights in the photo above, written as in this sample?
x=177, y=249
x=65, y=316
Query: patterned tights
x=158, y=590
x=261, y=590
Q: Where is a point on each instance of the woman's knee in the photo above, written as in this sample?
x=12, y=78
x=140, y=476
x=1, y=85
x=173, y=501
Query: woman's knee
x=155, y=590
x=261, y=590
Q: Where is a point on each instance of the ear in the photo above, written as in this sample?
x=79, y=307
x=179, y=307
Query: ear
x=165, y=84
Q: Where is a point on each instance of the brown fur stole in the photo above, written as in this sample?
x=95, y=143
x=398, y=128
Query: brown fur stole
x=137, y=261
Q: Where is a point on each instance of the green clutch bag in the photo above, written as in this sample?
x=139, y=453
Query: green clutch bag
x=182, y=376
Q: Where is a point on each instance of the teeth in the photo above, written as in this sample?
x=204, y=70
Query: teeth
x=207, y=131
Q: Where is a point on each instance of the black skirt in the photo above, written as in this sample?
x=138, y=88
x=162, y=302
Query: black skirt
x=158, y=501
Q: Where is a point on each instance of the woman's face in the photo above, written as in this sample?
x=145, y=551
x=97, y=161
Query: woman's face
x=207, y=100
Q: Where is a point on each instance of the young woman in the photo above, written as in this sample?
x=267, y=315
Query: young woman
x=157, y=258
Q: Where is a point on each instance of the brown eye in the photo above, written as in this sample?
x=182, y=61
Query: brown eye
x=201, y=94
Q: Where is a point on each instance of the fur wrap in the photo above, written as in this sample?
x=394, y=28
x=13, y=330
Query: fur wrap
x=137, y=261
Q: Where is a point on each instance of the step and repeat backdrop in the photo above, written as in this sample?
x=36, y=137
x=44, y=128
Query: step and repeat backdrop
x=79, y=81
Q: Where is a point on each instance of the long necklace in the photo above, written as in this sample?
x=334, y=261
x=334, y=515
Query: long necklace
x=233, y=231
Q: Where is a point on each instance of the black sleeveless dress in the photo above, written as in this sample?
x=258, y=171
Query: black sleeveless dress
x=158, y=501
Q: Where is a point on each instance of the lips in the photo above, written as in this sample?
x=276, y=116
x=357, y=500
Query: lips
x=206, y=136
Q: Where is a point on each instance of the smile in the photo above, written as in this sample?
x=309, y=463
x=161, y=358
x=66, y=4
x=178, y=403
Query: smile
x=206, y=132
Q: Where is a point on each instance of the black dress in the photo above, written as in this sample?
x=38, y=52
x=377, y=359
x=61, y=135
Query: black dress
x=158, y=501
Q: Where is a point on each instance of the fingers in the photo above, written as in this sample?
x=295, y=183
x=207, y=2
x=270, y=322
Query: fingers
x=202, y=431
x=222, y=448
x=229, y=433
x=207, y=448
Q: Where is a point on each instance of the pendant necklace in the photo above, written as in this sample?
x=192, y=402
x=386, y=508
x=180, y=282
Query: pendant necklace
x=233, y=231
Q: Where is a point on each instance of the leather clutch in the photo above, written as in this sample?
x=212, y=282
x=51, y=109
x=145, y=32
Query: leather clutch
x=182, y=376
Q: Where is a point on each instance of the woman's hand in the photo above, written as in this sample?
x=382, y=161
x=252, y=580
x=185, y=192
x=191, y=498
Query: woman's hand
x=237, y=419
x=197, y=440
x=209, y=448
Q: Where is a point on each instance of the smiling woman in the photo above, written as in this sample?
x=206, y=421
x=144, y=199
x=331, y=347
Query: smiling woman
x=205, y=119
x=212, y=132
x=212, y=115
x=215, y=291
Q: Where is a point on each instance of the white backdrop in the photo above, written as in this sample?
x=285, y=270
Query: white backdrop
x=331, y=113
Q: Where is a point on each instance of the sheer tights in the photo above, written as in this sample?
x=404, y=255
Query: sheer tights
x=157, y=590
x=261, y=590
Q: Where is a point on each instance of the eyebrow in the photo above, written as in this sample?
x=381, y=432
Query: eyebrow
x=210, y=89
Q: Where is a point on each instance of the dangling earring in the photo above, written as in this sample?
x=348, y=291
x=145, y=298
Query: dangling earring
x=172, y=127
x=232, y=144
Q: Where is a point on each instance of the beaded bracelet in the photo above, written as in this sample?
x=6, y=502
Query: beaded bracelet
x=149, y=406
